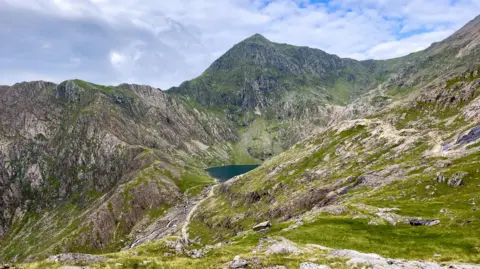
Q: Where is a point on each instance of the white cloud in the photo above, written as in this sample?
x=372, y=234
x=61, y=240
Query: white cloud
x=116, y=58
x=166, y=42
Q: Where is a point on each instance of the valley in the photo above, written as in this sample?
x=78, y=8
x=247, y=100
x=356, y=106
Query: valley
x=277, y=156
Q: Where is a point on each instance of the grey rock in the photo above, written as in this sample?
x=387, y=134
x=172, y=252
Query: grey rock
x=69, y=258
x=440, y=178
x=310, y=265
x=419, y=222
x=283, y=247
x=375, y=261
x=262, y=226
x=238, y=263
x=457, y=179
x=472, y=136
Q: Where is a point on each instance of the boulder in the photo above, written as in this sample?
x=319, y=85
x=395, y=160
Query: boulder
x=238, y=263
x=419, y=222
x=262, y=226
x=457, y=179
x=470, y=137
x=440, y=178
x=73, y=258
x=310, y=265
x=283, y=247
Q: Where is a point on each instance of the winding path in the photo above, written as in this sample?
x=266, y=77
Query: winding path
x=192, y=211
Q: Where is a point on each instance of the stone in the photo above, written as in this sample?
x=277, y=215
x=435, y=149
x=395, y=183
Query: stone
x=470, y=137
x=375, y=261
x=392, y=218
x=284, y=247
x=262, y=226
x=196, y=254
x=419, y=222
x=72, y=258
x=457, y=179
x=440, y=178
x=238, y=263
x=310, y=265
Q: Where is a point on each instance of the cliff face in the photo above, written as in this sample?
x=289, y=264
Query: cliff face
x=76, y=144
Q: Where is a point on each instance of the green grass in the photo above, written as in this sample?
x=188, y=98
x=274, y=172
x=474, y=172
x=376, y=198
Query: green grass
x=193, y=183
x=401, y=241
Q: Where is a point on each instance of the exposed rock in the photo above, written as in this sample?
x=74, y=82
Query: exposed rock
x=310, y=265
x=420, y=222
x=457, y=179
x=262, y=226
x=284, y=246
x=238, y=263
x=440, y=178
x=392, y=218
x=375, y=261
x=196, y=254
x=472, y=136
x=318, y=247
x=71, y=258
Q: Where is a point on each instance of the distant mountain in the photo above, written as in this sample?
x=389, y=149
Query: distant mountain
x=257, y=73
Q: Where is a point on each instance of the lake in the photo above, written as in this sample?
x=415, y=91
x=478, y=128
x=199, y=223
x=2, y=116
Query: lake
x=224, y=173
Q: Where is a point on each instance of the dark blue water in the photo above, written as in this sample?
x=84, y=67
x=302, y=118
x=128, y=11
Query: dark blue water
x=224, y=173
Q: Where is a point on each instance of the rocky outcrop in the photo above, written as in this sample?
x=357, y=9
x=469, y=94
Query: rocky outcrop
x=457, y=179
x=311, y=265
x=376, y=261
x=76, y=258
x=262, y=226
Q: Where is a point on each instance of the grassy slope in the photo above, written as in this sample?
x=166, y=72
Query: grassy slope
x=456, y=239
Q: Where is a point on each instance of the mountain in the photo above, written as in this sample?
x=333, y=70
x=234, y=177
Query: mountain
x=83, y=164
x=370, y=156
x=278, y=93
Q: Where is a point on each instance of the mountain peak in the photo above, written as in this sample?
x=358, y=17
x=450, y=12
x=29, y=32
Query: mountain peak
x=257, y=38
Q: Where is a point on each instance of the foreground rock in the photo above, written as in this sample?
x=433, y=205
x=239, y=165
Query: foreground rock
x=74, y=258
x=309, y=265
x=375, y=261
x=281, y=246
x=238, y=263
x=419, y=222
x=262, y=226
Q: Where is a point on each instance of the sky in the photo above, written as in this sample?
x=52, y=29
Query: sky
x=165, y=42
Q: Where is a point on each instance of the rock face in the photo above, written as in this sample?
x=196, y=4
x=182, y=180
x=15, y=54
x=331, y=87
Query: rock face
x=73, y=258
x=472, y=136
x=70, y=144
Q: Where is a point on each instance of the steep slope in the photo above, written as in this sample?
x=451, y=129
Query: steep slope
x=82, y=164
x=366, y=183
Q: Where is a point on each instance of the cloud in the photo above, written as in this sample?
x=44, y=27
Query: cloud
x=163, y=43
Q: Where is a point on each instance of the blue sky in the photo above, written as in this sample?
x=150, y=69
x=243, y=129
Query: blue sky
x=163, y=43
